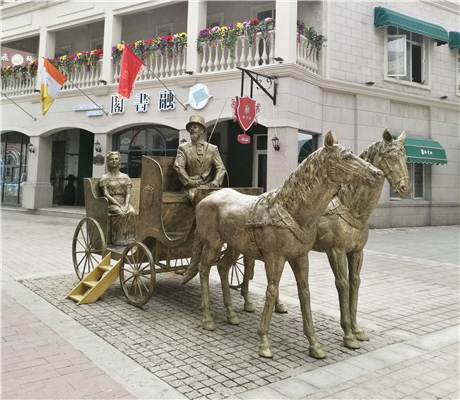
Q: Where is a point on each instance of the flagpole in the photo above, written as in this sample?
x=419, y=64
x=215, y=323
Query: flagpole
x=97, y=105
x=185, y=108
x=3, y=94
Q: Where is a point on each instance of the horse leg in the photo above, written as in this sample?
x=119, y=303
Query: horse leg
x=300, y=269
x=355, y=262
x=338, y=262
x=223, y=266
x=248, y=275
x=274, y=265
x=280, y=308
x=208, y=257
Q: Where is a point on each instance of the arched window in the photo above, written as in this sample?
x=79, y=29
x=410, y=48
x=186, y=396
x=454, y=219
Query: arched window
x=145, y=140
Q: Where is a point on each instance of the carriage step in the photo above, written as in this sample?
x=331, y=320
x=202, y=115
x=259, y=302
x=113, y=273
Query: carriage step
x=96, y=282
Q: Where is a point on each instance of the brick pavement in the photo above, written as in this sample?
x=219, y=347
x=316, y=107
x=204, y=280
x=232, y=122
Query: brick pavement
x=408, y=306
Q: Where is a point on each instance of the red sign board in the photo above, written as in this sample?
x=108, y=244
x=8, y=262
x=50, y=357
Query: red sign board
x=245, y=112
x=244, y=139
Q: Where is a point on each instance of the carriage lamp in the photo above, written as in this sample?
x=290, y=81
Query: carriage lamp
x=97, y=147
x=276, y=143
x=31, y=148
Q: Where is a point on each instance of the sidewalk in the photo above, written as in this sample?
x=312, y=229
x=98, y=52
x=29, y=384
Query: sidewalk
x=408, y=305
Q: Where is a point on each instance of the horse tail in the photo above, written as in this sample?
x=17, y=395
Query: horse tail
x=193, y=268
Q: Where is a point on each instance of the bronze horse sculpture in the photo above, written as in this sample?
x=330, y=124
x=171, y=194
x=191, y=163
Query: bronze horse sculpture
x=275, y=227
x=343, y=230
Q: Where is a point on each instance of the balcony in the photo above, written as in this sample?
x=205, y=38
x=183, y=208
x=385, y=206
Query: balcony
x=213, y=57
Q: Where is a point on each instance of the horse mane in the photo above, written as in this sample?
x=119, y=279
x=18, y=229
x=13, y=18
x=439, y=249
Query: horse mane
x=310, y=173
x=372, y=154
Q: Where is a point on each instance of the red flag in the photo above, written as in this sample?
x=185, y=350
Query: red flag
x=131, y=67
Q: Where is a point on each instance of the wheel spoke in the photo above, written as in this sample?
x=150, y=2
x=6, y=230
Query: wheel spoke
x=81, y=244
x=78, y=265
x=128, y=279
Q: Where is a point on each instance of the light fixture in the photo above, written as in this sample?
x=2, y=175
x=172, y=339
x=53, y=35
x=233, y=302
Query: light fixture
x=103, y=81
x=369, y=83
x=31, y=148
x=443, y=97
x=279, y=59
x=183, y=141
x=276, y=143
x=189, y=72
x=97, y=147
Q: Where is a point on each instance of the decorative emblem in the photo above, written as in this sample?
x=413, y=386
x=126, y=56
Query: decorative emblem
x=245, y=111
x=147, y=196
x=198, y=96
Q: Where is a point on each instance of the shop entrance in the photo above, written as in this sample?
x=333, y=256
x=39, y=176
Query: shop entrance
x=71, y=162
x=246, y=163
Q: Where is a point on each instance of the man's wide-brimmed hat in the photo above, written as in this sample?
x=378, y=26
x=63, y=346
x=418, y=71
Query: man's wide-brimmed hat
x=196, y=119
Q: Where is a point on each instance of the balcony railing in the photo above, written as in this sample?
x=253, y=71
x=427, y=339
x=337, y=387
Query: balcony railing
x=213, y=59
x=160, y=65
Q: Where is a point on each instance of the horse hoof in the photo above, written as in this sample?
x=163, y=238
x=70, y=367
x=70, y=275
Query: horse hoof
x=249, y=307
x=209, y=325
x=265, y=351
x=361, y=335
x=233, y=320
x=280, y=308
x=350, y=342
x=317, y=352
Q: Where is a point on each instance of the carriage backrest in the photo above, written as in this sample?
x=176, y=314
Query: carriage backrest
x=171, y=182
x=94, y=191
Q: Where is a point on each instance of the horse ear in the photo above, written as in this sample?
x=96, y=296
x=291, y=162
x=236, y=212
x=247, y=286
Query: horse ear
x=387, y=135
x=330, y=140
x=402, y=137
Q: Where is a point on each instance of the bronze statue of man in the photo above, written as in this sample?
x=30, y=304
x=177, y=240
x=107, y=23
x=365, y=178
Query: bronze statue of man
x=196, y=161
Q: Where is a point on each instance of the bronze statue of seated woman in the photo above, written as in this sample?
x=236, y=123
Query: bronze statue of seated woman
x=116, y=187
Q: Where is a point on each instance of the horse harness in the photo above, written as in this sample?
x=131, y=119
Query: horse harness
x=261, y=215
x=344, y=213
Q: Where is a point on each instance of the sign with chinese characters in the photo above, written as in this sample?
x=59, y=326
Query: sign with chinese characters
x=423, y=151
x=167, y=100
x=141, y=101
x=245, y=111
x=117, y=106
x=198, y=96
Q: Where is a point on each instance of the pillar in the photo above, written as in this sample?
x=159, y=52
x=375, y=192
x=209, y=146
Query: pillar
x=46, y=49
x=112, y=37
x=286, y=32
x=196, y=21
x=281, y=163
x=38, y=192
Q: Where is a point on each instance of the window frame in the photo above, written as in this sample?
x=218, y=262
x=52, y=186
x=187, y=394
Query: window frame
x=217, y=18
x=269, y=6
x=424, y=63
x=411, y=196
x=162, y=27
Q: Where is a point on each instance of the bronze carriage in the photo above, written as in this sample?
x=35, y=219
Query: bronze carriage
x=164, y=231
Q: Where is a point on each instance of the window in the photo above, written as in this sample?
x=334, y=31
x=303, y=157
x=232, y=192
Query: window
x=62, y=51
x=306, y=145
x=406, y=59
x=267, y=10
x=215, y=20
x=417, y=178
x=97, y=43
x=164, y=30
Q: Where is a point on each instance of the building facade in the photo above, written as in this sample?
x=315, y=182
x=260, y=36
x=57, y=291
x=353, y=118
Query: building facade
x=383, y=64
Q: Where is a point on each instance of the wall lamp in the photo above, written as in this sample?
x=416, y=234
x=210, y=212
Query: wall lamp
x=97, y=147
x=279, y=59
x=443, y=97
x=31, y=148
x=276, y=143
x=183, y=141
x=103, y=81
x=369, y=83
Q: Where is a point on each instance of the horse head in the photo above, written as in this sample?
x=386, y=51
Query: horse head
x=393, y=163
x=347, y=168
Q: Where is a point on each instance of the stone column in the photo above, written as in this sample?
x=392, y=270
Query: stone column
x=46, y=49
x=281, y=163
x=286, y=23
x=106, y=146
x=38, y=192
x=196, y=20
x=112, y=37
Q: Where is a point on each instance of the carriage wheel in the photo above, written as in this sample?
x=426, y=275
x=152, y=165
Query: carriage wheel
x=137, y=274
x=236, y=272
x=88, y=246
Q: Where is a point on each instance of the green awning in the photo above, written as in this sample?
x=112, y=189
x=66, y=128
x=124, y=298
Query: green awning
x=454, y=40
x=424, y=151
x=385, y=17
